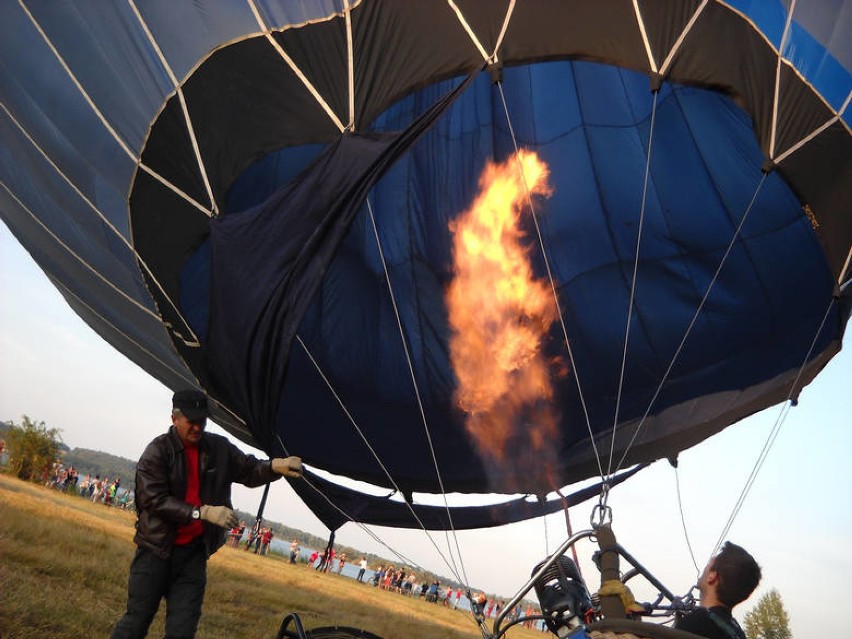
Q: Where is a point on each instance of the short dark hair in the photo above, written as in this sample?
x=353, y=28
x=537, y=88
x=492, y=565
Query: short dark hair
x=738, y=574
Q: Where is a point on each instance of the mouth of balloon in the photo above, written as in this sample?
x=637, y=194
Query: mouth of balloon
x=704, y=168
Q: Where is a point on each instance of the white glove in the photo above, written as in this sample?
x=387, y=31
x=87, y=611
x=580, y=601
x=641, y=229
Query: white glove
x=287, y=466
x=219, y=515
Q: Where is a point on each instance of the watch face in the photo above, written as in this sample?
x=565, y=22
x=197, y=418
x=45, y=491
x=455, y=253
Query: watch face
x=196, y=513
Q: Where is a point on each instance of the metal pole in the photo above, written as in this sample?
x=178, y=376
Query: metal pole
x=263, y=502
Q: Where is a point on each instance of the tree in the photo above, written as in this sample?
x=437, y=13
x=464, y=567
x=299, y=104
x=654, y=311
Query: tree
x=768, y=619
x=33, y=447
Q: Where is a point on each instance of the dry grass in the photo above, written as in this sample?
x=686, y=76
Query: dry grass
x=63, y=574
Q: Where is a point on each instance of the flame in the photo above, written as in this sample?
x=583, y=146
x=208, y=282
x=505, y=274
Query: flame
x=500, y=316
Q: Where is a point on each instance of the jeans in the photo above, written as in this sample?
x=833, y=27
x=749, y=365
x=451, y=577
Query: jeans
x=181, y=579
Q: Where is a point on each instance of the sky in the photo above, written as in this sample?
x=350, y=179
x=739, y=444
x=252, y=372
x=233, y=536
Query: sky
x=796, y=520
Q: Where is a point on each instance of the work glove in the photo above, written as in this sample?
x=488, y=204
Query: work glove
x=219, y=515
x=287, y=466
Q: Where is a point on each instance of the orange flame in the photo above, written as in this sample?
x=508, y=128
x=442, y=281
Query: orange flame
x=500, y=316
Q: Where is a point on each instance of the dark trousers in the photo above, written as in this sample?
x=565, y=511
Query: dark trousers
x=181, y=579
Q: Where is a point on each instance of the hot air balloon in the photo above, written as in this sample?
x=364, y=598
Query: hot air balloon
x=258, y=199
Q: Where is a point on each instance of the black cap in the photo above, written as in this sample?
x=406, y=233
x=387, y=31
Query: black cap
x=191, y=403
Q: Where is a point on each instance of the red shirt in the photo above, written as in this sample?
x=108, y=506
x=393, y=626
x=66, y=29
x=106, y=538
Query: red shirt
x=194, y=529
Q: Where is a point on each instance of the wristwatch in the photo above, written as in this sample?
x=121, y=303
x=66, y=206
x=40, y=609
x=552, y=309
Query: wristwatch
x=196, y=513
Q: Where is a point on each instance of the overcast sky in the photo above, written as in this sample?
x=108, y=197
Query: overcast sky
x=797, y=519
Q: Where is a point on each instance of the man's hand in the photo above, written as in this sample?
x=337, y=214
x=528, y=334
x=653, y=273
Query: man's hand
x=219, y=515
x=287, y=466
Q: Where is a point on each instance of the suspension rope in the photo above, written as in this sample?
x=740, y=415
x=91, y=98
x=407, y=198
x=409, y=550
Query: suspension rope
x=546, y=538
x=374, y=454
x=683, y=521
x=552, y=283
x=633, y=283
x=693, y=321
x=363, y=526
x=773, y=434
x=414, y=383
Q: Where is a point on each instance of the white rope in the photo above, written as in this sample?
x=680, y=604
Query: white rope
x=350, y=57
x=82, y=261
x=294, y=67
x=179, y=89
x=118, y=139
x=414, y=381
x=506, y=19
x=773, y=130
x=371, y=449
x=798, y=145
x=174, y=189
x=76, y=82
x=546, y=538
x=773, y=434
x=192, y=381
x=845, y=268
x=641, y=23
x=349, y=416
x=375, y=536
x=791, y=67
x=679, y=42
x=633, y=282
x=694, y=319
x=120, y=236
x=683, y=522
x=469, y=30
x=363, y=527
x=547, y=266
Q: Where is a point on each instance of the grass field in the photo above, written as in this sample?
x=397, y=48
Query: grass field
x=63, y=574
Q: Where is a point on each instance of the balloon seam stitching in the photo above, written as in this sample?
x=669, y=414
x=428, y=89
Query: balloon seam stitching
x=680, y=39
x=466, y=26
x=109, y=225
x=193, y=381
x=118, y=139
x=184, y=108
x=294, y=67
x=641, y=24
x=784, y=37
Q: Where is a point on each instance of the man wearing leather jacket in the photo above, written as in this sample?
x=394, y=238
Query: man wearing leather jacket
x=183, y=501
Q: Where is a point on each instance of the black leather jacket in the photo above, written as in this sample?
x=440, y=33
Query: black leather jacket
x=161, y=487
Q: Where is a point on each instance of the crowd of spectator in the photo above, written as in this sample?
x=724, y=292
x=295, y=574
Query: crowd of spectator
x=99, y=490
